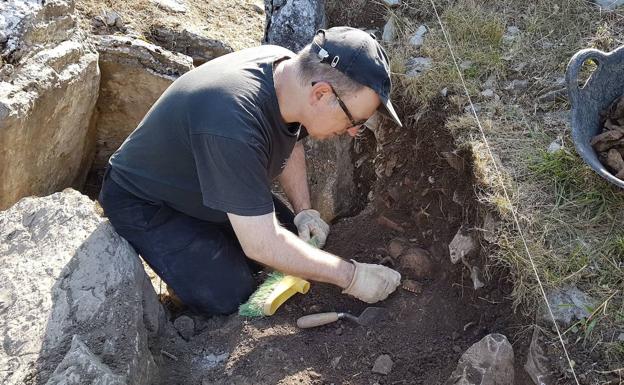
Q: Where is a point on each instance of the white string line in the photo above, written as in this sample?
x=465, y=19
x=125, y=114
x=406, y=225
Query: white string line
x=500, y=177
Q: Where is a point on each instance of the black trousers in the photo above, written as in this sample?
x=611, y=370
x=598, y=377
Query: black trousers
x=203, y=262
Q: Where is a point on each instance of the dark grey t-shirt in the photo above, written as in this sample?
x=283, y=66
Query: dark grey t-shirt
x=213, y=141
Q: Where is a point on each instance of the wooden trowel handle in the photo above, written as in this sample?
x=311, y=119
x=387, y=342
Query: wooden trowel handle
x=313, y=320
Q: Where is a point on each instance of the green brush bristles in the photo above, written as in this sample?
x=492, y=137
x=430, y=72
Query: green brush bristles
x=254, y=305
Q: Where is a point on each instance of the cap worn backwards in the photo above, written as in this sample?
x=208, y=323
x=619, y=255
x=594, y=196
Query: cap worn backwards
x=359, y=56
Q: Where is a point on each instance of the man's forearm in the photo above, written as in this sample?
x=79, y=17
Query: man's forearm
x=294, y=179
x=265, y=241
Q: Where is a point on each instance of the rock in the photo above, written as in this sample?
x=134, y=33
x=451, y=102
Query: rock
x=389, y=31
x=134, y=75
x=191, y=43
x=466, y=64
x=490, y=228
x=554, y=146
x=70, y=274
x=475, y=276
x=383, y=365
x=537, y=362
x=396, y=247
x=293, y=23
x=47, y=100
x=392, y=3
x=417, y=66
x=185, y=326
x=335, y=361
x=461, y=246
x=488, y=93
x=175, y=6
x=517, y=86
x=511, y=33
x=212, y=360
x=81, y=366
x=444, y=91
x=609, y=5
x=487, y=362
x=416, y=263
x=621, y=337
x=469, y=109
x=418, y=39
x=567, y=304
x=330, y=167
x=112, y=19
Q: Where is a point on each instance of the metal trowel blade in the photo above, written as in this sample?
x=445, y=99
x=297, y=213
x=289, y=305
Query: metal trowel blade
x=372, y=315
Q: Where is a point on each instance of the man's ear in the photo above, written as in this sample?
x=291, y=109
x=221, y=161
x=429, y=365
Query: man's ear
x=319, y=91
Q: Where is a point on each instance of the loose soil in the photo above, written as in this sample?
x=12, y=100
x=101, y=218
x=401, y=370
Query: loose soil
x=424, y=334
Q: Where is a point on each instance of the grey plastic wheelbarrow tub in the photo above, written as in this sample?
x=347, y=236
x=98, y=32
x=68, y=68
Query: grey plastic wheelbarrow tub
x=604, y=85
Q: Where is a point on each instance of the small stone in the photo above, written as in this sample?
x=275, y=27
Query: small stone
x=339, y=331
x=335, y=361
x=431, y=180
x=466, y=64
x=609, y=5
x=175, y=6
x=3, y=37
x=416, y=263
x=392, y=3
x=455, y=335
x=383, y=365
x=621, y=337
x=487, y=93
x=567, y=304
x=416, y=66
x=554, y=146
x=316, y=308
x=185, y=326
x=461, y=246
x=389, y=31
x=469, y=109
x=517, y=85
x=419, y=37
x=110, y=18
x=457, y=349
x=396, y=247
x=444, y=91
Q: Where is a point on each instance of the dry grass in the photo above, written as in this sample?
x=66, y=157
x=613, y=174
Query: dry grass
x=570, y=217
x=236, y=22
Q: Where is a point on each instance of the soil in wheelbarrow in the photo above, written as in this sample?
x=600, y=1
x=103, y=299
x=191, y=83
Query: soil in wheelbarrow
x=424, y=334
x=609, y=144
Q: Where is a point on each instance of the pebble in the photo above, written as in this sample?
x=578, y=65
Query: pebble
x=335, y=361
x=489, y=93
x=389, y=31
x=185, y=326
x=392, y=3
x=621, y=337
x=457, y=349
x=396, y=247
x=444, y=91
x=455, y=335
x=417, y=65
x=419, y=37
x=3, y=37
x=554, y=146
x=383, y=365
x=339, y=331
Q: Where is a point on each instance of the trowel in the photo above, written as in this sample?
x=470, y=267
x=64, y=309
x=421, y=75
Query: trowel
x=369, y=316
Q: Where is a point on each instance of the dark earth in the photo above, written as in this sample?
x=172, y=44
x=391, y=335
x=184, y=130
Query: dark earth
x=424, y=334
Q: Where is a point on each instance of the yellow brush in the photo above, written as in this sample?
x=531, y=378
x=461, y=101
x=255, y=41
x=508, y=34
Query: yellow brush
x=273, y=292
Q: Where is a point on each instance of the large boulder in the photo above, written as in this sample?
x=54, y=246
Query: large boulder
x=48, y=90
x=292, y=23
x=75, y=302
x=190, y=42
x=487, y=362
x=134, y=74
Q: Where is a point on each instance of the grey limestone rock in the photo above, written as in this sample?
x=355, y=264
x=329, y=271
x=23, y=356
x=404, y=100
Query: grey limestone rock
x=488, y=362
x=293, y=23
x=69, y=285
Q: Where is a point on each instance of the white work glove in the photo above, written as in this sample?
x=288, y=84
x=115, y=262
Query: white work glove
x=372, y=283
x=311, y=227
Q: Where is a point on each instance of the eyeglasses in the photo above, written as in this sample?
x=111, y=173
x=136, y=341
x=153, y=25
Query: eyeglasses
x=353, y=122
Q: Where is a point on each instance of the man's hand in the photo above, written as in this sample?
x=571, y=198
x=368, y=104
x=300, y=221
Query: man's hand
x=372, y=283
x=310, y=225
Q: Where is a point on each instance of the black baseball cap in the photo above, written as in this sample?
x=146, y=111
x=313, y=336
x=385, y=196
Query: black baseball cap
x=358, y=55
